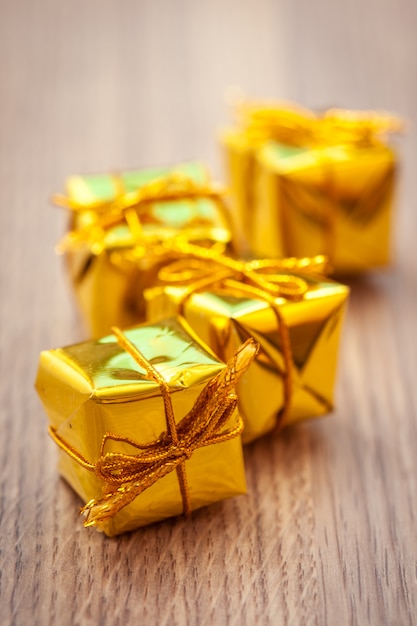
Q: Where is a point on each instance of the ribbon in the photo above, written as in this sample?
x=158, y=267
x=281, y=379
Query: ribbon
x=133, y=208
x=296, y=126
x=126, y=476
x=202, y=268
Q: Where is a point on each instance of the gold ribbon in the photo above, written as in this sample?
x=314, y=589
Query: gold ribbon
x=198, y=265
x=296, y=126
x=133, y=208
x=126, y=476
x=203, y=268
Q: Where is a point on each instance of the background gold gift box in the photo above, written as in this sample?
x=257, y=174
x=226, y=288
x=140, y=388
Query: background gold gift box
x=108, y=267
x=301, y=201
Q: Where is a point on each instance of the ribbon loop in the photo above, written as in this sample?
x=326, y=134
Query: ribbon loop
x=184, y=271
x=201, y=267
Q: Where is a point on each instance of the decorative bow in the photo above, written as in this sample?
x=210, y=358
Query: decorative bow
x=295, y=126
x=133, y=208
x=126, y=476
x=200, y=267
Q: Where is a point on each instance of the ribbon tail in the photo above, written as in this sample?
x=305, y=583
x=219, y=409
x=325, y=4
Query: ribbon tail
x=98, y=511
x=215, y=430
x=217, y=401
x=236, y=367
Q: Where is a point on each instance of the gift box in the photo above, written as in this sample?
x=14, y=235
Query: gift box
x=293, y=313
x=146, y=423
x=115, y=218
x=304, y=184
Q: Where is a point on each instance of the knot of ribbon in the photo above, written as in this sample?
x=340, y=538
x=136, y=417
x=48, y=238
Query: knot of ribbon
x=126, y=476
x=296, y=126
x=133, y=208
x=201, y=267
x=266, y=280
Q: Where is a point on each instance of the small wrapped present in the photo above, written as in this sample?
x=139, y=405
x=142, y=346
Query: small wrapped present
x=130, y=408
x=305, y=185
x=113, y=220
x=286, y=306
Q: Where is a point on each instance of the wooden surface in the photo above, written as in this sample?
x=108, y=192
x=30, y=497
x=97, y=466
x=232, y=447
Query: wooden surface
x=327, y=532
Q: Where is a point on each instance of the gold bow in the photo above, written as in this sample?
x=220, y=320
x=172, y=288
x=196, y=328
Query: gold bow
x=265, y=280
x=126, y=476
x=200, y=267
x=296, y=126
x=132, y=208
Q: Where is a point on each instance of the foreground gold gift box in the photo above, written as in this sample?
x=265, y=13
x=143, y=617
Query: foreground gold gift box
x=294, y=314
x=304, y=185
x=113, y=219
x=107, y=409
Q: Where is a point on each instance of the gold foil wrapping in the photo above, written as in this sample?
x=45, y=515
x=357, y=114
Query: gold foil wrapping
x=105, y=248
x=304, y=185
x=224, y=315
x=95, y=388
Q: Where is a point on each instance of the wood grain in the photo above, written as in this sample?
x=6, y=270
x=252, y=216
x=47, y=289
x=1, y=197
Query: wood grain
x=327, y=532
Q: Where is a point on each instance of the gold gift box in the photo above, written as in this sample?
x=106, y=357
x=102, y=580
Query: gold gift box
x=95, y=388
x=304, y=185
x=293, y=376
x=113, y=219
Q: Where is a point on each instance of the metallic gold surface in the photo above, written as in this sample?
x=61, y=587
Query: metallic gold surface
x=224, y=313
x=304, y=185
x=93, y=390
x=112, y=218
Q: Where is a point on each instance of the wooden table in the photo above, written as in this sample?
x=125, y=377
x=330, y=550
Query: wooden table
x=327, y=532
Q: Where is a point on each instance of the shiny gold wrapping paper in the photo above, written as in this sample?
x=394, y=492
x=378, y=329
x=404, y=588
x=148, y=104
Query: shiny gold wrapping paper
x=224, y=318
x=335, y=201
x=302, y=200
x=109, y=272
x=95, y=387
x=242, y=171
